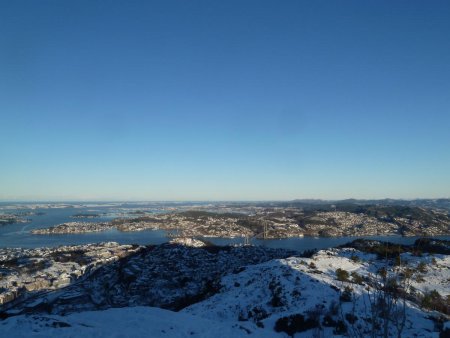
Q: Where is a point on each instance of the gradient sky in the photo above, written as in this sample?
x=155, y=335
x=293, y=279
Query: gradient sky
x=224, y=100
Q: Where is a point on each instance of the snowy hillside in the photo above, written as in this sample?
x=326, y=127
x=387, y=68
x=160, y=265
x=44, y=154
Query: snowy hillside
x=126, y=322
x=308, y=286
x=336, y=292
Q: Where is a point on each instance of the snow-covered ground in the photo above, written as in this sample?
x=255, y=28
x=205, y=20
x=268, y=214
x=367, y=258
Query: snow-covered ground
x=188, y=241
x=436, y=273
x=309, y=285
x=123, y=323
x=252, y=299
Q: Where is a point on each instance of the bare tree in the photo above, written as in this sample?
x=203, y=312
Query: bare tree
x=384, y=303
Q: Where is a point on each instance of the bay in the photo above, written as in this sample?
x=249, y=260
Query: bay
x=18, y=235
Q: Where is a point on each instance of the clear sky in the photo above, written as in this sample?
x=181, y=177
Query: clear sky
x=224, y=100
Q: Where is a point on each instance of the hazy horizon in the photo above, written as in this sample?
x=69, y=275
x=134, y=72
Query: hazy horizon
x=213, y=201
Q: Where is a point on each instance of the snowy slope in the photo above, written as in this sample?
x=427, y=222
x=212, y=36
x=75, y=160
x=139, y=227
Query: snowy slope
x=305, y=286
x=123, y=322
x=436, y=275
x=253, y=298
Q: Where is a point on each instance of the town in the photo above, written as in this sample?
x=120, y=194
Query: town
x=266, y=222
x=24, y=271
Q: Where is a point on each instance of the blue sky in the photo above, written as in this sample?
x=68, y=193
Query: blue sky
x=224, y=100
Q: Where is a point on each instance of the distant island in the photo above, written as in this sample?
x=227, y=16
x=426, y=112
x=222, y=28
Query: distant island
x=87, y=215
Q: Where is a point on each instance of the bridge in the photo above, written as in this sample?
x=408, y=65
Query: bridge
x=176, y=233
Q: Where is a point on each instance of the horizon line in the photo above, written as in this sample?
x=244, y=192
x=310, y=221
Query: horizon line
x=215, y=200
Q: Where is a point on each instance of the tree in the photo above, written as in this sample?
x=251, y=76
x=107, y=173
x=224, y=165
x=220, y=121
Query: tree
x=342, y=275
x=384, y=304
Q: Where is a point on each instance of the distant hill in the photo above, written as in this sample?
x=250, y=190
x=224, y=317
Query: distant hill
x=439, y=203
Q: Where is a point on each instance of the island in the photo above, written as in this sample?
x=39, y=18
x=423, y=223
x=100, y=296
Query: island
x=86, y=215
x=6, y=219
x=74, y=228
